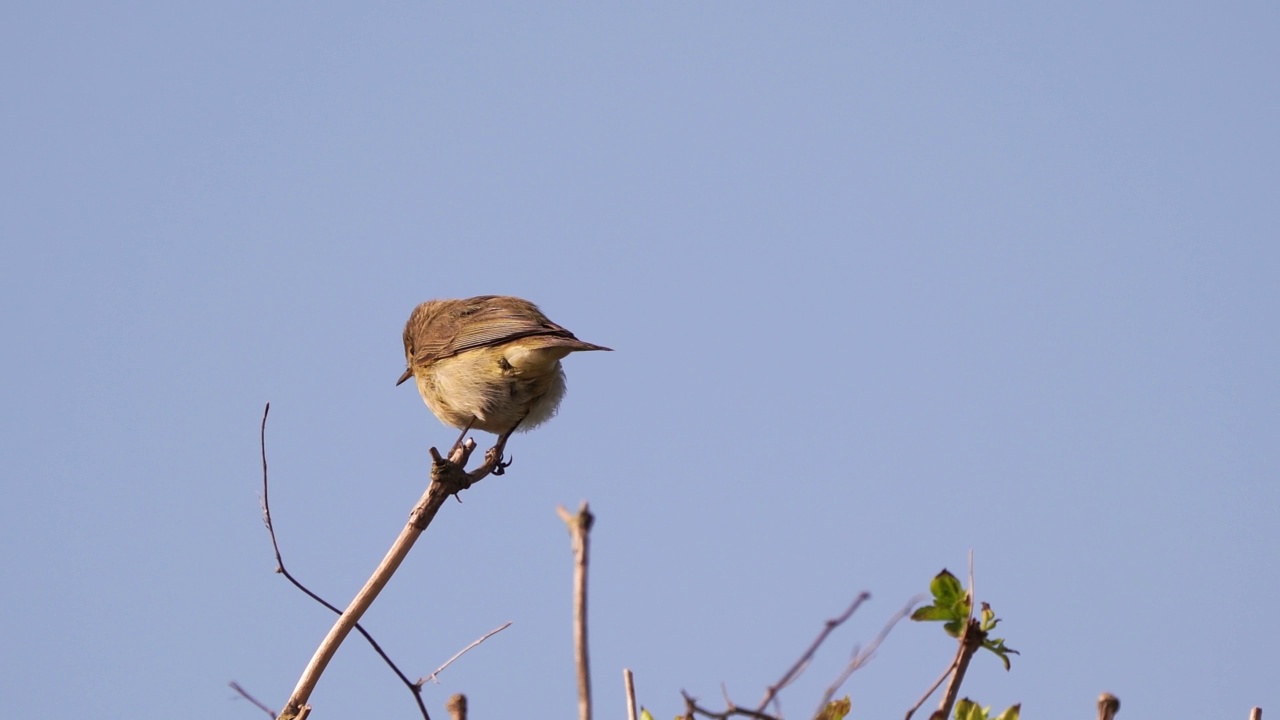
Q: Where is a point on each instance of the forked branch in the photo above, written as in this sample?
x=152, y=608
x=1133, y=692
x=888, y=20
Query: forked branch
x=448, y=478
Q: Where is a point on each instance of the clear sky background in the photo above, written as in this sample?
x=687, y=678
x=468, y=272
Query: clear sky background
x=886, y=284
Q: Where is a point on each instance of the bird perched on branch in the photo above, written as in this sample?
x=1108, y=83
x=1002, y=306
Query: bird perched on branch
x=488, y=363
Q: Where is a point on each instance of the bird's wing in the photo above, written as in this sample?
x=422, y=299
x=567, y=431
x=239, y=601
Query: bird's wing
x=486, y=321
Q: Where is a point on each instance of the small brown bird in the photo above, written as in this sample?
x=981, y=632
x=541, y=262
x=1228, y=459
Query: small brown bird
x=488, y=363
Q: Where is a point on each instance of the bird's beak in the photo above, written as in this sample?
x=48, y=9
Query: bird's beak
x=407, y=374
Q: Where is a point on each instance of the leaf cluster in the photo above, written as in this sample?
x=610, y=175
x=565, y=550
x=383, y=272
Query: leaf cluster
x=953, y=606
x=967, y=709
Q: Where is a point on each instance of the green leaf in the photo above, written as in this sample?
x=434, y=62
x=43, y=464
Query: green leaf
x=996, y=645
x=836, y=709
x=950, y=603
x=967, y=709
x=645, y=714
x=989, y=618
x=932, y=612
x=1012, y=713
x=946, y=589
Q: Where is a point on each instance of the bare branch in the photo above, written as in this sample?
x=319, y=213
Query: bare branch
x=579, y=525
x=692, y=708
x=863, y=656
x=457, y=707
x=970, y=642
x=448, y=478
x=1255, y=714
x=629, y=683
x=280, y=568
x=460, y=653
x=941, y=678
x=795, y=670
x=1108, y=706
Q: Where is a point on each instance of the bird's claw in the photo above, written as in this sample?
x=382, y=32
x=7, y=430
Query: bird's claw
x=500, y=467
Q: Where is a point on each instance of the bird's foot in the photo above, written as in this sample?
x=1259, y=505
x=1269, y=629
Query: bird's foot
x=494, y=456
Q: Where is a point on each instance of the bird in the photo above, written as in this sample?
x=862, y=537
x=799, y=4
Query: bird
x=490, y=363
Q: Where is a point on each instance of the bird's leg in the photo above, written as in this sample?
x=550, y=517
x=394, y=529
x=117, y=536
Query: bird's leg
x=495, y=453
x=462, y=437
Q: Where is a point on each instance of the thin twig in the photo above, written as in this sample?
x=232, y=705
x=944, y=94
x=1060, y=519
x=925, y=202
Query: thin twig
x=448, y=478
x=729, y=703
x=692, y=708
x=863, y=656
x=932, y=688
x=245, y=694
x=460, y=653
x=795, y=670
x=628, y=682
x=579, y=525
x=1255, y=714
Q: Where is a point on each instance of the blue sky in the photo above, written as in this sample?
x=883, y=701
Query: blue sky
x=886, y=284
